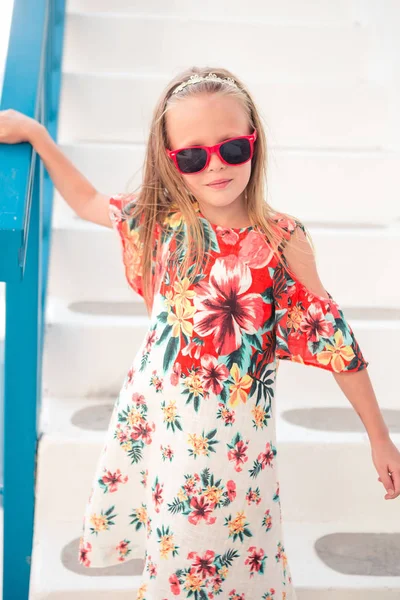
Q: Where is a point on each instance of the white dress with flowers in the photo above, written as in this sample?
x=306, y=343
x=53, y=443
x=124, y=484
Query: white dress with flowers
x=188, y=478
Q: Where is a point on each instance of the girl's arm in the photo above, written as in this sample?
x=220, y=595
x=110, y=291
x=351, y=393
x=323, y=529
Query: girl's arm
x=356, y=386
x=77, y=191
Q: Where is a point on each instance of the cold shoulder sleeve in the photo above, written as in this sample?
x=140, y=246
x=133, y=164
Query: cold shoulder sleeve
x=310, y=329
x=127, y=228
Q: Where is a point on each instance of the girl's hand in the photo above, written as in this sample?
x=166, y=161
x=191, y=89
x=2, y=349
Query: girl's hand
x=386, y=459
x=15, y=127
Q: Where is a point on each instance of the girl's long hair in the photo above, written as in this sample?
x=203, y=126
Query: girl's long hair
x=163, y=188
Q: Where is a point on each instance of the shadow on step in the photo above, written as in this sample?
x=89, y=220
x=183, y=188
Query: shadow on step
x=374, y=554
x=337, y=419
x=69, y=559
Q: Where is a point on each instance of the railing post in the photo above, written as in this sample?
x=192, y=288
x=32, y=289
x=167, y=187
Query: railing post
x=22, y=399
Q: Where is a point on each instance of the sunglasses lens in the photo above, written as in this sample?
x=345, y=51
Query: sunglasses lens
x=236, y=152
x=191, y=160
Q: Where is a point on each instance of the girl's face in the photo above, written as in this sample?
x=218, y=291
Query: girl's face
x=207, y=120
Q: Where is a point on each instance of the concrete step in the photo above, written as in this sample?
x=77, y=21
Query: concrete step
x=328, y=561
x=92, y=256
x=74, y=434
x=324, y=51
x=327, y=113
x=351, y=181
x=286, y=11
x=89, y=347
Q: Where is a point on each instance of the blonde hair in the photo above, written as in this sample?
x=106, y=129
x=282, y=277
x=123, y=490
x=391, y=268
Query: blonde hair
x=162, y=186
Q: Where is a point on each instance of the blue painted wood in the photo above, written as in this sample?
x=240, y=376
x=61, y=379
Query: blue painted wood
x=32, y=86
x=22, y=391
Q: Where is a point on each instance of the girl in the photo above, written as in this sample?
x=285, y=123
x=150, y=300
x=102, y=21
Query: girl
x=189, y=476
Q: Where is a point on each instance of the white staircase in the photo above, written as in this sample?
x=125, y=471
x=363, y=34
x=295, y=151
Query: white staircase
x=332, y=125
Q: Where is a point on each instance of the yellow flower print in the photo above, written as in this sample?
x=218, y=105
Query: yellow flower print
x=134, y=417
x=213, y=494
x=182, y=496
x=133, y=255
x=169, y=299
x=199, y=444
x=179, y=320
x=141, y=515
x=166, y=545
x=240, y=388
x=170, y=412
x=174, y=219
x=295, y=316
x=193, y=582
x=193, y=382
x=337, y=355
x=99, y=522
x=182, y=293
x=259, y=415
x=127, y=446
x=223, y=571
x=237, y=524
x=141, y=592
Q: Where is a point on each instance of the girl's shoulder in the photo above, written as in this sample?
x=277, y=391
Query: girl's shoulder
x=286, y=224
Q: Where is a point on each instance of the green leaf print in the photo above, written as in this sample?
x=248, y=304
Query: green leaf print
x=254, y=340
x=135, y=453
x=210, y=237
x=170, y=352
x=205, y=476
x=162, y=317
x=176, y=506
x=227, y=558
x=165, y=334
x=239, y=357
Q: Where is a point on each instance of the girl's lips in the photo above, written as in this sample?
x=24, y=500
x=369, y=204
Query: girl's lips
x=222, y=184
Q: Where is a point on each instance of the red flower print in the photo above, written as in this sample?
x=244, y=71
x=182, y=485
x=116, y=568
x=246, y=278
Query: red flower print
x=130, y=375
x=265, y=458
x=314, y=324
x=201, y=510
x=150, y=339
x=123, y=549
x=175, y=586
x=84, y=551
x=224, y=309
x=203, y=564
x=213, y=374
x=112, y=480
x=138, y=398
x=255, y=251
x=143, y=430
x=231, y=487
x=176, y=373
x=228, y=236
x=157, y=496
x=238, y=454
x=255, y=559
x=193, y=350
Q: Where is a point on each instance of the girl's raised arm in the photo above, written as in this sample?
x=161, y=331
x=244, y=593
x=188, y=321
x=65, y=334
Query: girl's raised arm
x=77, y=191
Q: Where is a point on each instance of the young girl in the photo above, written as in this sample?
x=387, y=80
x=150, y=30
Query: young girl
x=188, y=478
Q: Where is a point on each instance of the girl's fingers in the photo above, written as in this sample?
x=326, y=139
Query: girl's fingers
x=390, y=483
x=396, y=482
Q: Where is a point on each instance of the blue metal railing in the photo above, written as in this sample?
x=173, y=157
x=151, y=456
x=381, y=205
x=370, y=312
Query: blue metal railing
x=32, y=86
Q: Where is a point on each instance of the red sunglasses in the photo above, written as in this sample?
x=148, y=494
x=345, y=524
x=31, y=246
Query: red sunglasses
x=235, y=151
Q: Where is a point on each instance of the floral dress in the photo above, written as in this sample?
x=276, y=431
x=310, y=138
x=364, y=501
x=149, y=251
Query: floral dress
x=188, y=479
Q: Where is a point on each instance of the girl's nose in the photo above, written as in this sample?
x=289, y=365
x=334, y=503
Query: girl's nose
x=215, y=161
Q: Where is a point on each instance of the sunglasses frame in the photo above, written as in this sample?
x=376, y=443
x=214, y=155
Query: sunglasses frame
x=211, y=149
